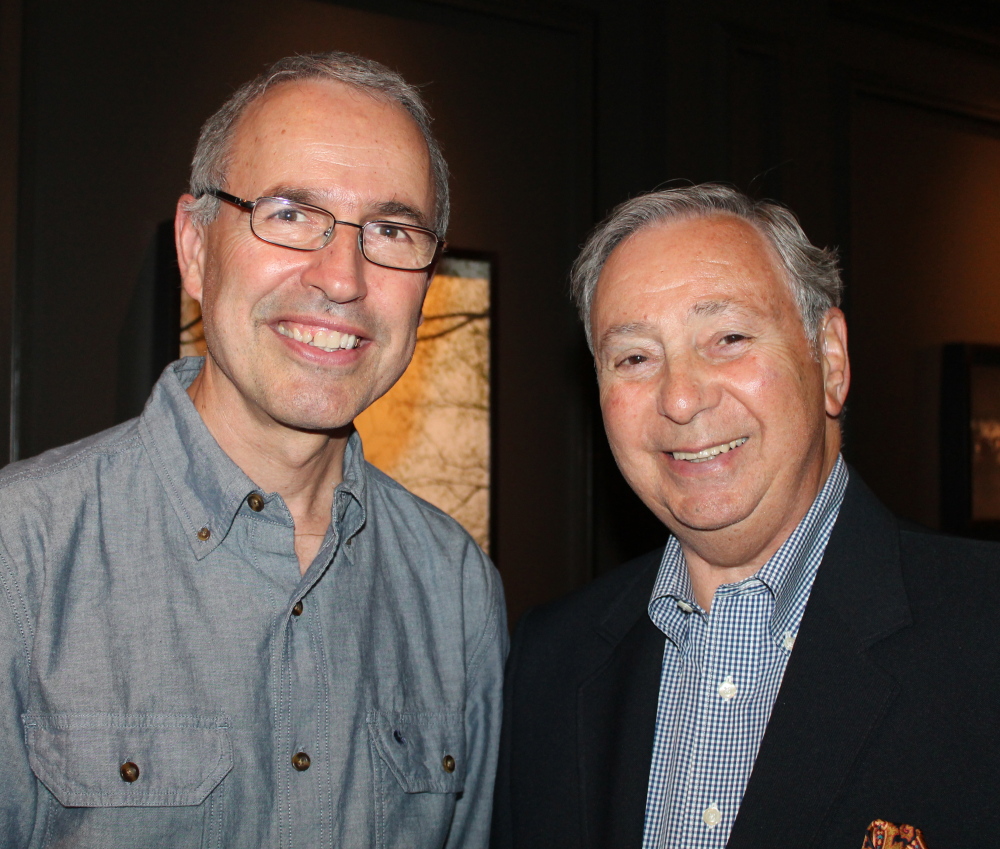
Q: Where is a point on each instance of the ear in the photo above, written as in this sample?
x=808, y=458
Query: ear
x=835, y=361
x=189, y=238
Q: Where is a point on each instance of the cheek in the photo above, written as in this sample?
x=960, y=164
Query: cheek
x=627, y=416
x=400, y=307
x=784, y=396
x=769, y=385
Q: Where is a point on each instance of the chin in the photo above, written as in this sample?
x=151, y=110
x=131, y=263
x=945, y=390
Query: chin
x=705, y=516
x=300, y=414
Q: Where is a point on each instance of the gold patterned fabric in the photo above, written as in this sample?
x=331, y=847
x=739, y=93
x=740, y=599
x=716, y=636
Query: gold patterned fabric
x=887, y=835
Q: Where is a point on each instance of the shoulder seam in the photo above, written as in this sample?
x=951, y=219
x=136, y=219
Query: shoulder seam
x=491, y=628
x=69, y=463
x=12, y=592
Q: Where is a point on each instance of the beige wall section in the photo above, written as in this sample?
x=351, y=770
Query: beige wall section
x=925, y=270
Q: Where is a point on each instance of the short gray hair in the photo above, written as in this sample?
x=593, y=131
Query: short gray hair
x=813, y=273
x=213, y=155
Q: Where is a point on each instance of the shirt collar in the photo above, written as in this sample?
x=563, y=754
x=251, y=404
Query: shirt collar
x=352, y=489
x=204, y=486
x=788, y=574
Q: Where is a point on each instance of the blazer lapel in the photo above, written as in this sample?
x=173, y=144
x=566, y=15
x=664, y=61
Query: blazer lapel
x=832, y=694
x=616, y=718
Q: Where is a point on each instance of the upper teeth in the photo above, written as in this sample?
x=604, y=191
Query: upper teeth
x=708, y=453
x=326, y=340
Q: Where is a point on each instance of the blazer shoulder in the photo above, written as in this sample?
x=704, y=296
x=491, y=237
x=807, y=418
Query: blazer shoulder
x=956, y=570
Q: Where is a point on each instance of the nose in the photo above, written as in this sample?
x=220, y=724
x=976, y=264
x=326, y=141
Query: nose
x=687, y=388
x=338, y=270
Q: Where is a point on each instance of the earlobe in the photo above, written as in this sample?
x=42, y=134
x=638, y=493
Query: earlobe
x=835, y=360
x=189, y=238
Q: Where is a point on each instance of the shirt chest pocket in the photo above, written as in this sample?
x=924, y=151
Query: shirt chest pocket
x=130, y=779
x=420, y=765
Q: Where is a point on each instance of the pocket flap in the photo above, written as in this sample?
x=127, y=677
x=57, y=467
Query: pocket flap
x=176, y=760
x=424, y=751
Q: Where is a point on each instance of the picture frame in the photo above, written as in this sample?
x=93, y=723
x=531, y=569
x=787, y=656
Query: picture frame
x=970, y=440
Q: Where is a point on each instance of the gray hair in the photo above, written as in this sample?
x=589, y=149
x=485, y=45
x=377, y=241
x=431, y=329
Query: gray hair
x=213, y=155
x=812, y=273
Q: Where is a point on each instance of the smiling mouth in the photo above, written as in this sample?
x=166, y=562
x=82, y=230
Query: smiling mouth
x=707, y=453
x=325, y=340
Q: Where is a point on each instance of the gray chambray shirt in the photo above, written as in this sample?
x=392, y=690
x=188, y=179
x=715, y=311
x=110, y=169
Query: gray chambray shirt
x=170, y=680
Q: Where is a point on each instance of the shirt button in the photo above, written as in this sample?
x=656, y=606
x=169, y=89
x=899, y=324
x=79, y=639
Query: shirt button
x=727, y=689
x=204, y=534
x=297, y=609
x=712, y=816
x=301, y=761
x=788, y=641
x=448, y=763
x=255, y=501
x=684, y=607
x=129, y=772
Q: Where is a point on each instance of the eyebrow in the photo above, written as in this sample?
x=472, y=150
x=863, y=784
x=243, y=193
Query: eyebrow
x=712, y=307
x=394, y=208
x=398, y=209
x=626, y=329
x=701, y=308
x=294, y=193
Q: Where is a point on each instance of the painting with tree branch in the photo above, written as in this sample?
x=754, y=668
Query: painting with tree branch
x=431, y=431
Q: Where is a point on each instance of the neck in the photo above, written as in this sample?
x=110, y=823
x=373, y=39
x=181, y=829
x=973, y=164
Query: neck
x=303, y=467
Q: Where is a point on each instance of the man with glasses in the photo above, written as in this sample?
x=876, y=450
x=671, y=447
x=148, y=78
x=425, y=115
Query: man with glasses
x=221, y=626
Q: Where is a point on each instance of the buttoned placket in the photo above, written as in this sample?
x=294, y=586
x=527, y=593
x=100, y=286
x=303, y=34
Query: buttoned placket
x=713, y=677
x=300, y=668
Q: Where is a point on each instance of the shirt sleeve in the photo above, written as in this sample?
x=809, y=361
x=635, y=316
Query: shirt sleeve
x=18, y=799
x=483, y=707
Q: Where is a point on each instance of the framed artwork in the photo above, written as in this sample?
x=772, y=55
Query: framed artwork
x=432, y=431
x=970, y=440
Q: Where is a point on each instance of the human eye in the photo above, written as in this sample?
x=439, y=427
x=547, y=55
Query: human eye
x=632, y=360
x=387, y=231
x=288, y=214
x=727, y=344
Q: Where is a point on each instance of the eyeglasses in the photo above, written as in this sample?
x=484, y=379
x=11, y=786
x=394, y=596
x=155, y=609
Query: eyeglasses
x=302, y=227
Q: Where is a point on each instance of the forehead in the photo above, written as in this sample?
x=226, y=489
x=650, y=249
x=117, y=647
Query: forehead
x=685, y=263
x=330, y=137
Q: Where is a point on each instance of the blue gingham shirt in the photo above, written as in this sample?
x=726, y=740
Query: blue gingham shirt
x=153, y=614
x=721, y=674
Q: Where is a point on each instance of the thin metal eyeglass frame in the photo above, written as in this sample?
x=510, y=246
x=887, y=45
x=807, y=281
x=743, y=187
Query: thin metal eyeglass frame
x=248, y=206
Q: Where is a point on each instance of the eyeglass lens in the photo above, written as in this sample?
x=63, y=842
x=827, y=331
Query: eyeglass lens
x=295, y=225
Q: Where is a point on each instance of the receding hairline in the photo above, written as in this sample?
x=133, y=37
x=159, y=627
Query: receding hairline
x=698, y=216
x=358, y=93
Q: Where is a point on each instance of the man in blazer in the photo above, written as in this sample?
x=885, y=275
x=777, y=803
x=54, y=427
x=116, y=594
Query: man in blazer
x=796, y=664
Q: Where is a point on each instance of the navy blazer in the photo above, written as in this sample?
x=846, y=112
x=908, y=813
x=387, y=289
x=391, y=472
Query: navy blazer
x=889, y=707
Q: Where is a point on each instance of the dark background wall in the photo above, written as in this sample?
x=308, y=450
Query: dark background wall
x=878, y=122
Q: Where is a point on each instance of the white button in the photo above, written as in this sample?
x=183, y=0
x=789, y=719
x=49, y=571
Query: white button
x=789, y=641
x=712, y=816
x=727, y=689
x=684, y=607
